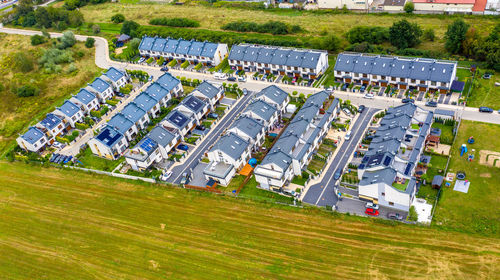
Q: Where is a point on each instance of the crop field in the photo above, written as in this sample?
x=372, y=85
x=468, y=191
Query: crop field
x=475, y=211
x=98, y=227
x=16, y=113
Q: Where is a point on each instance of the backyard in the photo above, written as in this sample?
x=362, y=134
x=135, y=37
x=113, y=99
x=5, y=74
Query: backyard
x=476, y=210
x=101, y=227
x=91, y=161
x=17, y=113
x=484, y=92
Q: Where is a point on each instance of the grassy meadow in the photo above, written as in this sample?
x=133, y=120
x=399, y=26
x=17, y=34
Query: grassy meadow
x=17, y=113
x=475, y=211
x=99, y=227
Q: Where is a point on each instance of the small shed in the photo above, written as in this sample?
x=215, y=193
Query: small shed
x=432, y=140
x=437, y=181
x=122, y=39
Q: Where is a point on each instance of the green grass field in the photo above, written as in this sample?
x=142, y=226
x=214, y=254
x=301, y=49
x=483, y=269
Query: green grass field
x=484, y=92
x=62, y=224
x=475, y=211
x=16, y=113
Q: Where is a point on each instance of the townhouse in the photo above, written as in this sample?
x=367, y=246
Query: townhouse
x=303, y=63
x=171, y=84
x=178, y=122
x=70, y=112
x=209, y=54
x=386, y=171
x=148, y=104
x=229, y=154
x=398, y=72
x=123, y=125
x=109, y=143
x=298, y=142
x=136, y=115
x=159, y=94
x=103, y=89
x=194, y=107
x=210, y=93
x=116, y=77
x=349, y=4
x=275, y=96
x=86, y=100
x=447, y=6
x=249, y=129
x=52, y=126
x=34, y=140
x=263, y=112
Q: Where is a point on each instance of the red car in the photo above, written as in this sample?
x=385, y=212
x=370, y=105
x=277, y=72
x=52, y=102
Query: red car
x=371, y=212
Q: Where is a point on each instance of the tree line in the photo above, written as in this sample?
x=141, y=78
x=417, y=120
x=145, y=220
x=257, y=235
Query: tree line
x=174, y=22
x=273, y=27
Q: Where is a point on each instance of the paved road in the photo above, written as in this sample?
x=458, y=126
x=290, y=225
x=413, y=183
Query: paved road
x=322, y=193
x=195, y=156
x=102, y=60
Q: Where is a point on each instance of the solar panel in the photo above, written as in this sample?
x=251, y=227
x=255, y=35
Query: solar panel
x=387, y=161
x=408, y=168
x=147, y=145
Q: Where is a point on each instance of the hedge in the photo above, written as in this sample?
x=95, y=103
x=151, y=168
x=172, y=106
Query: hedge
x=81, y=126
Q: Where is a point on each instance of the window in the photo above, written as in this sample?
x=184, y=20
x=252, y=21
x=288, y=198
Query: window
x=443, y=84
x=383, y=194
x=339, y=72
x=393, y=79
x=402, y=79
x=422, y=81
x=391, y=203
x=60, y=126
x=356, y=75
x=433, y=83
x=383, y=77
x=413, y=80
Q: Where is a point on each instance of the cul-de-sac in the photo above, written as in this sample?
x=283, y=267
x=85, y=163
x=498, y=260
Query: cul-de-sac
x=249, y=139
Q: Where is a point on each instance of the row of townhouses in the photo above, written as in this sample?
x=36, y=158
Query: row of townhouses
x=278, y=60
x=72, y=111
x=207, y=53
x=233, y=149
x=123, y=127
x=386, y=172
x=297, y=144
x=163, y=138
x=400, y=72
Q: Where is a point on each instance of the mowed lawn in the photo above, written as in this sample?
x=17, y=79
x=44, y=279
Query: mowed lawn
x=16, y=113
x=59, y=224
x=484, y=92
x=477, y=210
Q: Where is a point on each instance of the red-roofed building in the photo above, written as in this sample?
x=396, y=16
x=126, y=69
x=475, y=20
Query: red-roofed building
x=452, y=6
x=479, y=5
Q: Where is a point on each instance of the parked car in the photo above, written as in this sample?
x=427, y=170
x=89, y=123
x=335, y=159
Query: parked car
x=245, y=91
x=371, y=212
x=220, y=76
x=344, y=86
x=337, y=174
x=242, y=79
x=487, y=76
x=362, y=89
x=186, y=177
x=372, y=205
x=119, y=94
x=431, y=104
x=347, y=136
x=142, y=59
x=182, y=147
x=485, y=110
x=369, y=96
x=166, y=175
x=361, y=108
x=57, y=145
x=231, y=79
x=347, y=112
x=150, y=78
x=213, y=115
x=164, y=69
x=395, y=216
x=407, y=100
x=201, y=127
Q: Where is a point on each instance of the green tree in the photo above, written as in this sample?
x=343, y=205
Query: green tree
x=27, y=90
x=409, y=7
x=130, y=27
x=403, y=34
x=331, y=43
x=23, y=62
x=429, y=34
x=455, y=36
x=42, y=17
x=89, y=43
x=96, y=29
x=67, y=40
x=118, y=18
x=37, y=40
x=412, y=214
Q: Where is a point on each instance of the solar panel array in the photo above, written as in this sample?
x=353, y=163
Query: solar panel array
x=147, y=145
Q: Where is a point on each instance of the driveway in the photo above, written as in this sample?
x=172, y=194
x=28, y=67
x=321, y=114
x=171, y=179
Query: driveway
x=322, y=193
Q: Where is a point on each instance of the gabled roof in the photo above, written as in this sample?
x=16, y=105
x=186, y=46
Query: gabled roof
x=33, y=135
x=133, y=112
x=177, y=119
x=237, y=52
x=109, y=136
x=265, y=55
x=310, y=60
x=207, y=89
x=193, y=103
x=249, y=126
x=69, y=108
x=156, y=92
x=232, y=145
x=85, y=96
x=183, y=47
x=386, y=175
x=251, y=54
x=146, y=43
x=363, y=64
x=261, y=109
x=196, y=48
x=100, y=85
x=171, y=46
x=159, y=45
x=209, y=50
x=114, y=74
x=295, y=58
x=145, y=102
x=168, y=81
x=120, y=123
x=278, y=158
x=274, y=93
x=50, y=121
x=161, y=136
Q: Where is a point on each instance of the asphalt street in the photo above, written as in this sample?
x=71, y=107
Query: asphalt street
x=195, y=156
x=322, y=193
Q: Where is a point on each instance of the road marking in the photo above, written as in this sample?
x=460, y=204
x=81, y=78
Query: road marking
x=343, y=154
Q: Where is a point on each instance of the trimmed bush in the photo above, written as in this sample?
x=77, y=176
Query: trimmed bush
x=27, y=91
x=89, y=43
x=81, y=126
x=37, y=40
x=174, y=22
x=118, y=18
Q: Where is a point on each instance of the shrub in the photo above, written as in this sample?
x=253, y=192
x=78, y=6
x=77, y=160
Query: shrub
x=81, y=126
x=96, y=29
x=89, y=43
x=429, y=34
x=160, y=60
x=150, y=60
x=172, y=63
x=27, y=91
x=22, y=62
x=118, y=18
x=273, y=27
x=37, y=40
x=403, y=34
x=72, y=68
x=174, y=22
x=374, y=35
x=51, y=59
x=130, y=28
x=185, y=64
x=112, y=102
x=412, y=215
x=409, y=7
x=67, y=40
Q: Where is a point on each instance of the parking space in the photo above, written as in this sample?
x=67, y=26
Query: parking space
x=198, y=179
x=227, y=101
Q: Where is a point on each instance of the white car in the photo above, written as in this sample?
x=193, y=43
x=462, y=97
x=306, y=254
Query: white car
x=347, y=136
x=371, y=205
x=220, y=76
x=57, y=145
x=369, y=96
x=166, y=175
x=241, y=79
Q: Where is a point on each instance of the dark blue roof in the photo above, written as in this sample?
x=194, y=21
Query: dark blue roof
x=183, y=47
x=33, y=135
x=295, y=58
x=168, y=81
x=171, y=46
x=159, y=45
x=251, y=54
x=147, y=144
x=109, y=136
x=196, y=48
x=363, y=64
x=85, y=96
x=146, y=43
x=51, y=121
x=133, y=112
x=280, y=56
x=209, y=50
x=193, y=103
x=177, y=119
x=237, y=52
x=310, y=59
x=457, y=86
x=120, y=123
x=100, y=85
x=156, y=91
x=265, y=55
x=69, y=108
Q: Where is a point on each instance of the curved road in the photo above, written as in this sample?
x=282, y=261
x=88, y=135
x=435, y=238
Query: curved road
x=103, y=60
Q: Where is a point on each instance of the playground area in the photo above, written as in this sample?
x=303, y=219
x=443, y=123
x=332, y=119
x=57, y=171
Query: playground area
x=468, y=204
